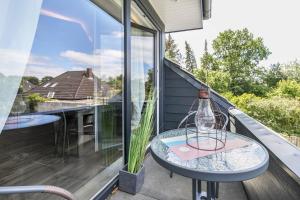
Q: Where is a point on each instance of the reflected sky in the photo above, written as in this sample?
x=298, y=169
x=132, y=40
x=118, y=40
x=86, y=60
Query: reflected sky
x=73, y=36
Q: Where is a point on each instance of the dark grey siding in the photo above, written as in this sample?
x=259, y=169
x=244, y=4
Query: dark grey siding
x=179, y=95
x=180, y=90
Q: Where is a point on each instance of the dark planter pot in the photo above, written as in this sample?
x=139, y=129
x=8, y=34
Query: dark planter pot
x=131, y=183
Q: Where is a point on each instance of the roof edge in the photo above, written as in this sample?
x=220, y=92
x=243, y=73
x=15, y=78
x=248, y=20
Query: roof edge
x=197, y=83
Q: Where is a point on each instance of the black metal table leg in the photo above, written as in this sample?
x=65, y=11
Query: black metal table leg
x=211, y=190
x=208, y=190
x=199, y=186
x=194, y=189
x=171, y=174
x=217, y=189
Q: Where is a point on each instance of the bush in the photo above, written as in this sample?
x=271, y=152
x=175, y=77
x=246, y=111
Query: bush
x=286, y=88
x=279, y=113
x=282, y=114
x=33, y=100
x=243, y=101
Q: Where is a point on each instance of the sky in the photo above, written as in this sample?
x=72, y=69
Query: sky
x=276, y=21
x=72, y=37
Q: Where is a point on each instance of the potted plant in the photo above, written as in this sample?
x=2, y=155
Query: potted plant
x=131, y=177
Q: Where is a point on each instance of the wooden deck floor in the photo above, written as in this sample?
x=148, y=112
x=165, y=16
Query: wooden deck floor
x=32, y=160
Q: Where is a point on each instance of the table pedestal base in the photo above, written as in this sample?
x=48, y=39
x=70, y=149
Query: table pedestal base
x=211, y=193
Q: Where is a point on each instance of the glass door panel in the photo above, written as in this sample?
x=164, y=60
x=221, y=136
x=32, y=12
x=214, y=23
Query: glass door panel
x=142, y=71
x=60, y=94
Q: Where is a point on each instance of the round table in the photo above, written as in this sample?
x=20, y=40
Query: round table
x=241, y=159
x=26, y=121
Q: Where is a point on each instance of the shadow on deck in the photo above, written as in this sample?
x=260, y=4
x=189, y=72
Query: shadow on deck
x=159, y=186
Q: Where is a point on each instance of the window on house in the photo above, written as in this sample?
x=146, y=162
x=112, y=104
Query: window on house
x=53, y=85
x=46, y=85
x=50, y=95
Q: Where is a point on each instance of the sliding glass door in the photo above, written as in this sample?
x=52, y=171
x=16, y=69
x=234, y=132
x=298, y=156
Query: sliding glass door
x=61, y=88
x=144, y=46
x=142, y=71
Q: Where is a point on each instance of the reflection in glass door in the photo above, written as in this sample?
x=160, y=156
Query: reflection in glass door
x=142, y=68
x=61, y=95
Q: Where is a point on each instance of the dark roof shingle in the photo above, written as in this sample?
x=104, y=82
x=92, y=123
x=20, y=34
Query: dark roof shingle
x=71, y=85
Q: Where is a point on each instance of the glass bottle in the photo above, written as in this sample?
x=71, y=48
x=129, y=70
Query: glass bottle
x=204, y=118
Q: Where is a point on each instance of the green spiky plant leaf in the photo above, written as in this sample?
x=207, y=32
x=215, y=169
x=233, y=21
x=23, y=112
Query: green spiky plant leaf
x=140, y=137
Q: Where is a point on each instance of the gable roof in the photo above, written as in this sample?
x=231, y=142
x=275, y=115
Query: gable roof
x=71, y=85
x=26, y=85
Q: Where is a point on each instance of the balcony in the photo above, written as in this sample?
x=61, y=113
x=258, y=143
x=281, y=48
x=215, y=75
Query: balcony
x=280, y=181
x=84, y=149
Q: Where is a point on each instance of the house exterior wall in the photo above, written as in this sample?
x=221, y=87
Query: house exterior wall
x=180, y=90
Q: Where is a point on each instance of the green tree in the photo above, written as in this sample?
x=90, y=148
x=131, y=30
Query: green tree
x=190, y=60
x=115, y=82
x=46, y=79
x=172, y=52
x=32, y=79
x=207, y=61
x=274, y=75
x=239, y=53
x=217, y=80
x=292, y=70
x=149, y=84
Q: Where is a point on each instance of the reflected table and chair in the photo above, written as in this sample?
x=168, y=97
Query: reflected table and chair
x=241, y=159
x=40, y=147
x=27, y=121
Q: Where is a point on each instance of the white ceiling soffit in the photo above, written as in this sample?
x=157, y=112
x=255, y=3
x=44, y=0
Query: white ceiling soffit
x=179, y=15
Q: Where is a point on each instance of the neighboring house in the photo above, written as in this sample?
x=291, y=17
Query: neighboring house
x=27, y=86
x=71, y=85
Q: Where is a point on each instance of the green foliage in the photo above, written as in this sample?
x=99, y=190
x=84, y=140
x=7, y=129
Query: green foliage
x=190, y=60
x=238, y=53
x=172, y=52
x=217, y=80
x=286, y=88
x=243, y=101
x=46, y=79
x=115, y=82
x=292, y=70
x=207, y=61
x=270, y=95
x=32, y=79
x=34, y=99
x=140, y=137
x=274, y=75
x=281, y=114
x=149, y=83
